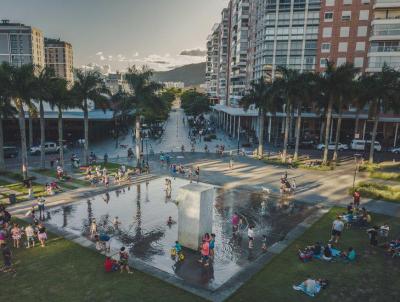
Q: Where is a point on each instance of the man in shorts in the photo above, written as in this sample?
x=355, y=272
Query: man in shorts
x=30, y=236
x=337, y=228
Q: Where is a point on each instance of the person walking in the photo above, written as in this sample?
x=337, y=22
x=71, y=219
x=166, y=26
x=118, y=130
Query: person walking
x=356, y=198
x=337, y=228
x=197, y=172
x=123, y=260
x=41, y=202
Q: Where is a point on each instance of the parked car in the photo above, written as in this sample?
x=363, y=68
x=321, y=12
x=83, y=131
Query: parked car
x=331, y=146
x=49, y=147
x=360, y=144
x=395, y=150
x=10, y=152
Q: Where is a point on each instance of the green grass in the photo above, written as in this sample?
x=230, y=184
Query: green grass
x=297, y=164
x=385, y=171
x=378, y=191
x=12, y=175
x=372, y=277
x=66, y=272
x=64, y=183
x=316, y=168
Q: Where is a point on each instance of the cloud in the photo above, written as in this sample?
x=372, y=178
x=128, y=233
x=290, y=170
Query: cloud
x=103, y=69
x=110, y=58
x=102, y=58
x=99, y=53
x=194, y=52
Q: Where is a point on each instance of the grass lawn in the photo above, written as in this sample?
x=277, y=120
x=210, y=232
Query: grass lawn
x=38, y=191
x=63, y=183
x=298, y=164
x=385, y=171
x=65, y=271
x=373, y=277
x=378, y=191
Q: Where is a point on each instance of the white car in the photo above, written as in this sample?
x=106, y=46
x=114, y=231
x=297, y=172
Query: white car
x=331, y=146
x=49, y=147
x=395, y=150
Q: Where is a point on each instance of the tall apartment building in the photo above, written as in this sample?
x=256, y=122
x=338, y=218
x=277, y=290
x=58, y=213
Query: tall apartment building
x=59, y=57
x=223, y=53
x=21, y=44
x=212, y=72
x=385, y=35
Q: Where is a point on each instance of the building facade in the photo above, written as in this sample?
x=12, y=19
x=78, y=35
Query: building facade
x=21, y=44
x=212, y=65
x=59, y=57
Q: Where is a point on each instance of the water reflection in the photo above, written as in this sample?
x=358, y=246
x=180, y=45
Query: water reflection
x=143, y=211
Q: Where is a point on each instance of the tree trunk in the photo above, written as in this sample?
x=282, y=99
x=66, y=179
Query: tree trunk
x=286, y=137
x=374, y=132
x=298, y=129
x=327, y=131
x=337, y=138
x=260, y=151
x=22, y=129
x=2, y=163
x=42, y=135
x=60, y=137
x=137, y=140
x=30, y=133
x=357, y=122
x=86, y=129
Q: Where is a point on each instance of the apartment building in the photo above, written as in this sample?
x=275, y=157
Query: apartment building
x=385, y=35
x=59, y=57
x=212, y=72
x=21, y=44
x=223, y=54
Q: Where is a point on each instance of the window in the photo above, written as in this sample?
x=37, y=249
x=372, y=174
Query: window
x=346, y=15
x=330, y=2
x=340, y=61
x=362, y=31
x=360, y=46
x=326, y=47
x=327, y=32
x=365, y=1
x=358, y=62
x=322, y=62
x=347, y=2
x=364, y=14
x=328, y=16
x=343, y=46
x=344, y=31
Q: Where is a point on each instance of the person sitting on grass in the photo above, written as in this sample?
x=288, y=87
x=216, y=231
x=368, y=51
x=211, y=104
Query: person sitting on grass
x=349, y=255
x=311, y=286
x=305, y=255
x=327, y=254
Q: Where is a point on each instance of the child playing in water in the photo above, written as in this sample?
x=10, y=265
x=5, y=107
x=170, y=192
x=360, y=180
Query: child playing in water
x=93, y=228
x=212, y=245
x=264, y=243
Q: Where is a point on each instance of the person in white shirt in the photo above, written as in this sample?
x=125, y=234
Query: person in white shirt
x=250, y=234
x=337, y=228
x=30, y=236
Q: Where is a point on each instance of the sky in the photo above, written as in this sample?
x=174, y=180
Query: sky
x=120, y=33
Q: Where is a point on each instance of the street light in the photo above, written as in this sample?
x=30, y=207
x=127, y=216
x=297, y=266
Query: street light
x=357, y=160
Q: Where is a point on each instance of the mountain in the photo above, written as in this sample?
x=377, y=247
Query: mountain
x=191, y=75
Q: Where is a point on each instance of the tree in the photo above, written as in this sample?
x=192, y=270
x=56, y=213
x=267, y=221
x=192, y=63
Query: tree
x=60, y=97
x=382, y=92
x=309, y=91
x=42, y=85
x=194, y=103
x=89, y=86
x=346, y=94
x=288, y=87
x=260, y=95
x=142, y=98
x=6, y=110
x=19, y=86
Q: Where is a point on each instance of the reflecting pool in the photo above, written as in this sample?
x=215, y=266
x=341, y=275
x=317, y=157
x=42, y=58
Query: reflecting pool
x=143, y=211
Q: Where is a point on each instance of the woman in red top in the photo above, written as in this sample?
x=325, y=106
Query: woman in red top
x=205, y=252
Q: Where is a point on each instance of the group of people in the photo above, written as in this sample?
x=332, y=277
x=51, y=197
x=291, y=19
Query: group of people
x=207, y=249
x=112, y=265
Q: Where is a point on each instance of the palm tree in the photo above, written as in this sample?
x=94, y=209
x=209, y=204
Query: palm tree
x=346, y=95
x=19, y=86
x=261, y=96
x=88, y=86
x=142, y=96
x=42, y=94
x=122, y=110
x=381, y=91
x=60, y=97
x=289, y=86
x=309, y=89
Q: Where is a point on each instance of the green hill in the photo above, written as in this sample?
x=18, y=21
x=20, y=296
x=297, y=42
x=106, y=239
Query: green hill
x=191, y=75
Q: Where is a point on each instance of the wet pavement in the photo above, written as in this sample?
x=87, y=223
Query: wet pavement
x=143, y=211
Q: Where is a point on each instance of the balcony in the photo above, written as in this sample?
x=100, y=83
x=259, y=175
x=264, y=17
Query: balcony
x=389, y=30
x=386, y=4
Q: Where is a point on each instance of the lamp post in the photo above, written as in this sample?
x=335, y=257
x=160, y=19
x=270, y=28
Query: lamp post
x=357, y=158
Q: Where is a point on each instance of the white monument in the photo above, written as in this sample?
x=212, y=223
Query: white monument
x=195, y=204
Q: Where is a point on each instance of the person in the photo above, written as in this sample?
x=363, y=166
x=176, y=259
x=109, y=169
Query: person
x=235, y=222
x=123, y=260
x=327, y=254
x=197, y=172
x=7, y=255
x=170, y=221
x=16, y=235
x=250, y=233
x=356, y=198
x=337, y=228
x=373, y=234
x=205, y=252
x=316, y=249
x=349, y=255
x=106, y=180
x=42, y=236
x=264, y=243
x=41, y=202
x=108, y=265
x=231, y=163
x=309, y=286
x=384, y=231
x=105, y=158
x=93, y=228
x=190, y=174
x=30, y=236
x=212, y=245
x=116, y=222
